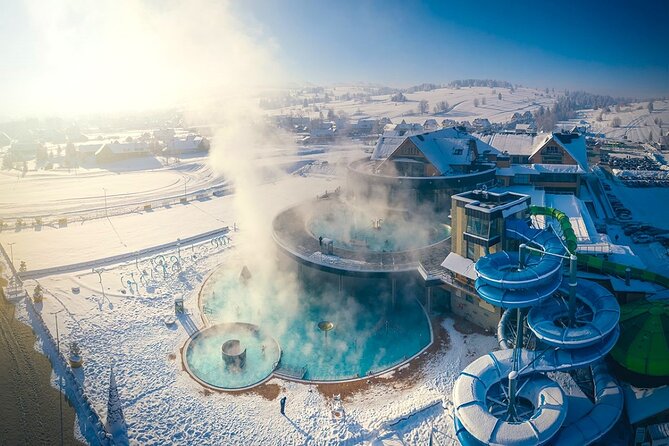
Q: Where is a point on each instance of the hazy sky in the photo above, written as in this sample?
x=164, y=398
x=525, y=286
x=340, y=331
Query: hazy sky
x=71, y=56
x=619, y=47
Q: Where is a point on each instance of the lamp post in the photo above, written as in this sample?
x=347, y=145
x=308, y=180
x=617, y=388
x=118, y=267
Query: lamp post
x=105, y=191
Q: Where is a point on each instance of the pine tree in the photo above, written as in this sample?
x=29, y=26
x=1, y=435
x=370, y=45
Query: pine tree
x=115, y=419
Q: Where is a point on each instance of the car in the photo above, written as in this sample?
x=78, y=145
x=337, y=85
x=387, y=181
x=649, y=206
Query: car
x=606, y=186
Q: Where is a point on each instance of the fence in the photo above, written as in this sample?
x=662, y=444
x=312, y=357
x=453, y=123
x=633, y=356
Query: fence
x=57, y=219
x=97, y=433
x=122, y=257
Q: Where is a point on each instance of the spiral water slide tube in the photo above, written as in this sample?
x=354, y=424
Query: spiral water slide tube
x=505, y=397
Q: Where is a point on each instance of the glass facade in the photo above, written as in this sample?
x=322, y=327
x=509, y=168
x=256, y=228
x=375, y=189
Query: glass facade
x=482, y=226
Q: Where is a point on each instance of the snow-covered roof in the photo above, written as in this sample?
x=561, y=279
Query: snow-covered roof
x=443, y=148
x=89, y=147
x=514, y=144
x=125, y=147
x=389, y=141
x=460, y=265
x=572, y=143
x=190, y=142
x=444, y=152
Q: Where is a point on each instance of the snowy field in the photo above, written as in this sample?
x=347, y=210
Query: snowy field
x=126, y=327
x=460, y=101
x=129, y=182
x=636, y=122
x=162, y=404
x=125, y=234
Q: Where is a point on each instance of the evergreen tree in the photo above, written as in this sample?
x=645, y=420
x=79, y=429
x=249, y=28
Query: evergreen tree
x=115, y=419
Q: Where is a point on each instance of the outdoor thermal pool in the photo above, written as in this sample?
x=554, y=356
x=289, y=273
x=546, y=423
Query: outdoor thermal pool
x=367, y=334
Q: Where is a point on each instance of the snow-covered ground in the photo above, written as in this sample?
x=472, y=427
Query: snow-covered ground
x=132, y=181
x=648, y=207
x=162, y=404
x=127, y=327
x=460, y=101
x=82, y=241
x=636, y=122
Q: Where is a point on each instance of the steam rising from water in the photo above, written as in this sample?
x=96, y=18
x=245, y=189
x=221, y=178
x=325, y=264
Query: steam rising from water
x=134, y=55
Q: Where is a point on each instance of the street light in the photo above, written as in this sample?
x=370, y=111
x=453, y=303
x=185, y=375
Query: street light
x=11, y=250
x=105, y=191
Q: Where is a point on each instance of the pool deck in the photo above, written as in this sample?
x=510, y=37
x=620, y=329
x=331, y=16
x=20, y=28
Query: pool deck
x=292, y=237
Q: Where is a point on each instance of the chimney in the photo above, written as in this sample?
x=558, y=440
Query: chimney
x=628, y=276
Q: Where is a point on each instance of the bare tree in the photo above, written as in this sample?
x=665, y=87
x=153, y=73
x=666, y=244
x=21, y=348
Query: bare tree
x=476, y=102
x=499, y=96
x=423, y=107
x=615, y=122
x=650, y=107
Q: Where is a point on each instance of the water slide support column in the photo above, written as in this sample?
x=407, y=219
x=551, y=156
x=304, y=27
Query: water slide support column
x=512, y=395
x=522, y=253
x=573, y=261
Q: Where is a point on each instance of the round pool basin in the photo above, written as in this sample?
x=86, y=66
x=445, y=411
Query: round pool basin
x=204, y=360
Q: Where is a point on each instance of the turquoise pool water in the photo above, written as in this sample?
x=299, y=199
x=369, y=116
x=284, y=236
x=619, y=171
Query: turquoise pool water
x=370, y=335
x=204, y=358
x=354, y=229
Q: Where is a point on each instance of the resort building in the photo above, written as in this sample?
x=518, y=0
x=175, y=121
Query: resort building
x=478, y=223
x=408, y=169
x=116, y=150
x=554, y=162
x=191, y=143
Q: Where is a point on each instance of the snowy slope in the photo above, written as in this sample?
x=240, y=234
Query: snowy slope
x=636, y=123
x=460, y=100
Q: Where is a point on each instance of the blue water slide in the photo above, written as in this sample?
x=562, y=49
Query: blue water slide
x=600, y=318
x=502, y=280
x=481, y=392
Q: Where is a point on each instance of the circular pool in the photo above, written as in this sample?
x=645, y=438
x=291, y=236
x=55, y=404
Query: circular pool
x=206, y=353
x=365, y=230
x=368, y=334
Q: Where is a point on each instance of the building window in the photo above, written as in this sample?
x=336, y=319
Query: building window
x=457, y=151
x=521, y=179
x=482, y=227
x=471, y=250
x=551, y=150
x=469, y=299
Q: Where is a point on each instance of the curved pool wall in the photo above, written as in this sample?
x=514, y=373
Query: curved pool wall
x=354, y=229
x=364, y=184
x=478, y=393
x=371, y=335
x=296, y=236
x=203, y=356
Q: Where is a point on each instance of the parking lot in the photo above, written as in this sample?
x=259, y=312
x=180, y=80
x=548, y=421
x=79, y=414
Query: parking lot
x=636, y=170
